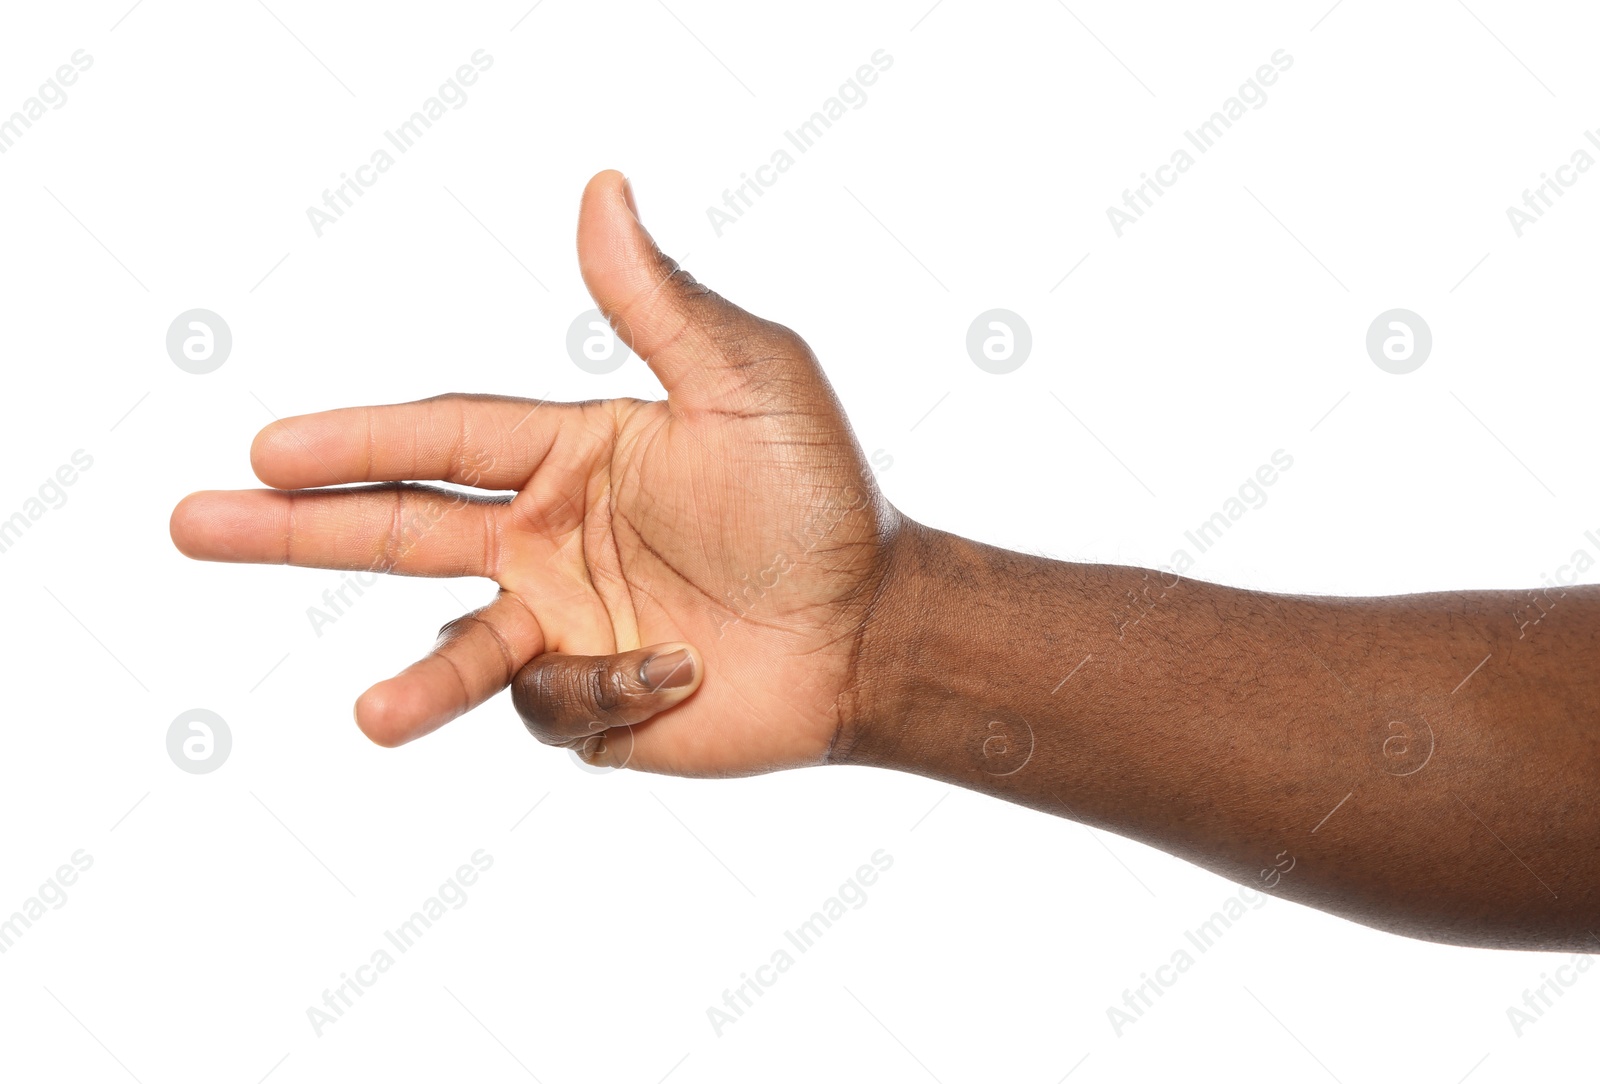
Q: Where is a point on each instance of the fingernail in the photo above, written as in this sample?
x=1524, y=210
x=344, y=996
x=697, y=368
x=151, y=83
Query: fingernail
x=673, y=670
x=627, y=196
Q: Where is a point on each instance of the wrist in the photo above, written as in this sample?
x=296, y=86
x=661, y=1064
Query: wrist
x=945, y=658
x=874, y=704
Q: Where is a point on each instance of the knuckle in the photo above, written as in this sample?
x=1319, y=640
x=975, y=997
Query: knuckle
x=533, y=697
x=769, y=356
x=785, y=342
x=456, y=627
x=565, y=698
x=604, y=689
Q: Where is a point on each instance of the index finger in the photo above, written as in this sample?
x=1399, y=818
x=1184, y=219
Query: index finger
x=485, y=441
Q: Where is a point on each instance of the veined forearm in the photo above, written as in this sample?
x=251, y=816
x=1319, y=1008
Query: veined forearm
x=1428, y=764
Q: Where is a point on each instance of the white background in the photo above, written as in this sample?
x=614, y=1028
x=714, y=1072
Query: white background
x=1168, y=366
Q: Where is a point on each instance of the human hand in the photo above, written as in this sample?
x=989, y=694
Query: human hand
x=683, y=583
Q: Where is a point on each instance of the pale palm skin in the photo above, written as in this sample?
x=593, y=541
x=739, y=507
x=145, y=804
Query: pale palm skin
x=737, y=516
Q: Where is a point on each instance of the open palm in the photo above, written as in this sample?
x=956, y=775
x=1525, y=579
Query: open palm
x=709, y=558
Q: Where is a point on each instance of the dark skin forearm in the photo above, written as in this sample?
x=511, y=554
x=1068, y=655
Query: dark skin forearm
x=1228, y=727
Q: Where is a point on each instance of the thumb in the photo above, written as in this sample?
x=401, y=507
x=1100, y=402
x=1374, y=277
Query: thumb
x=573, y=700
x=706, y=351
